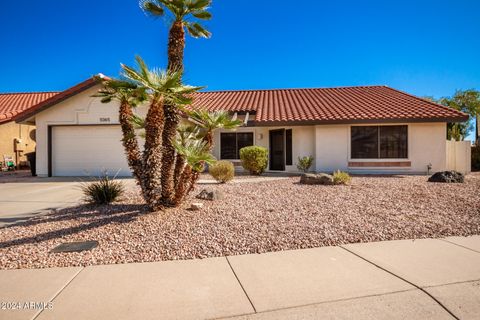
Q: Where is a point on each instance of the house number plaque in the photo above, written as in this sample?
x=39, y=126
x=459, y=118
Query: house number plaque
x=104, y=119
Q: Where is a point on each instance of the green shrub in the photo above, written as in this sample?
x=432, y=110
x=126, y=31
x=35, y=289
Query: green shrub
x=304, y=163
x=340, y=177
x=254, y=159
x=102, y=191
x=222, y=171
x=476, y=158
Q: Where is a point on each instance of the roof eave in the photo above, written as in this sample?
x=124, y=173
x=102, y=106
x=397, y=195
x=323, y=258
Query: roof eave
x=28, y=115
x=256, y=123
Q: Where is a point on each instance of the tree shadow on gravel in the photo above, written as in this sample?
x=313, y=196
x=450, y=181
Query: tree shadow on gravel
x=84, y=211
x=95, y=217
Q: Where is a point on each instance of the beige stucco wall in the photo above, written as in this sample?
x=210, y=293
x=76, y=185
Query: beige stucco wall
x=459, y=156
x=426, y=144
x=9, y=131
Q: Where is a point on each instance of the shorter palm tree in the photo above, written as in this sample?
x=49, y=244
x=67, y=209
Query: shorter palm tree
x=211, y=121
x=196, y=153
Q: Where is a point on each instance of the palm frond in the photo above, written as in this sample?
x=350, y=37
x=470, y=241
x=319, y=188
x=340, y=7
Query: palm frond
x=213, y=120
x=196, y=153
x=152, y=8
x=198, y=4
x=163, y=84
x=121, y=90
x=203, y=15
x=138, y=122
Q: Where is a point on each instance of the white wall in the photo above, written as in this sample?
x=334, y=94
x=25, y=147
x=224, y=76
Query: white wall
x=79, y=109
x=426, y=145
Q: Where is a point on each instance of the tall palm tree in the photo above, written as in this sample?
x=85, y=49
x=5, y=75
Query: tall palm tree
x=129, y=96
x=185, y=15
x=162, y=87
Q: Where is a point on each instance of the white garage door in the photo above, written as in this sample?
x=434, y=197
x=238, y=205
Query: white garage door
x=88, y=151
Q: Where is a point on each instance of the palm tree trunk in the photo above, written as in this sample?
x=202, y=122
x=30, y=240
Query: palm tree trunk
x=195, y=175
x=152, y=154
x=182, y=190
x=130, y=143
x=179, y=167
x=176, y=46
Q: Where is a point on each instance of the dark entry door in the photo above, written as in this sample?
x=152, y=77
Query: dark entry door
x=277, y=149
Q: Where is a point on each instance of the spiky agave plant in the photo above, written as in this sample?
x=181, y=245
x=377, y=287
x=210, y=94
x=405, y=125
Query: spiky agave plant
x=185, y=15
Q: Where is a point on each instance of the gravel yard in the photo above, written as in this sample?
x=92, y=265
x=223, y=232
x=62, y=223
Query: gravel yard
x=254, y=217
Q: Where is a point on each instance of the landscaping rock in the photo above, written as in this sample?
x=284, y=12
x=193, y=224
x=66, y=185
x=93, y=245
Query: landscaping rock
x=210, y=195
x=196, y=206
x=318, y=178
x=448, y=177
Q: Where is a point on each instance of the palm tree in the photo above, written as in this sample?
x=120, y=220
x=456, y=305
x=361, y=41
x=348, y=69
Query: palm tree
x=185, y=15
x=210, y=121
x=195, y=152
x=129, y=96
x=162, y=87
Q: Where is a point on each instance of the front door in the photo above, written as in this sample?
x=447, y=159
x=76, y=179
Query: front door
x=277, y=149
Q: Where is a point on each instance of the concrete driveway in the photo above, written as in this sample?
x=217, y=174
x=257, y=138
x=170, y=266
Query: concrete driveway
x=20, y=201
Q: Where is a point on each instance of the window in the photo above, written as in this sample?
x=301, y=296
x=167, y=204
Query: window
x=232, y=142
x=288, y=146
x=379, y=142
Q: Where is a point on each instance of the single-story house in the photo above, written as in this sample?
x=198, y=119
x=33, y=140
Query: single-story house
x=18, y=139
x=365, y=129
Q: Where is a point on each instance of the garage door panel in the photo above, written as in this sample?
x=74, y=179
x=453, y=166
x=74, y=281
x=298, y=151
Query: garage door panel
x=88, y=151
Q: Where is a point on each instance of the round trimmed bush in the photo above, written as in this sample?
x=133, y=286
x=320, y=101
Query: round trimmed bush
x=254, y=159
x=222, y=171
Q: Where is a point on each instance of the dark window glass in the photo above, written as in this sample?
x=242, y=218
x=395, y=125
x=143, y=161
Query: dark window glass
x=364, y=142
x=288, y=146
x=244, y=139
x=393, y=142
x=228, y=145
x=384, y=142
x=232, y=142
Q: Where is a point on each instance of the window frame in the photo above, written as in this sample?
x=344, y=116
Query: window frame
x=379, y=158
x=288, y=147
x=236, y=143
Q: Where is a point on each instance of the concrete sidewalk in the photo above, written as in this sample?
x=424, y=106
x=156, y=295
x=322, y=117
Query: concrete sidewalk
x=406, y=279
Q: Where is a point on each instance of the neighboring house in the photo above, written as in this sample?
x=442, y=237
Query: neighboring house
x=369, y=129
x=18, y=139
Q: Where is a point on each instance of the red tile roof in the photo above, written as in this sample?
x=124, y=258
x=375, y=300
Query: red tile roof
x=82, y=86
x=12, y=104
x=303, y=106
x=328, y=105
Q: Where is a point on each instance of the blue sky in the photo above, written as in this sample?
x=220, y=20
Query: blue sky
x=423, y=47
